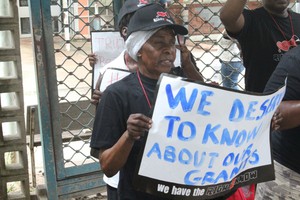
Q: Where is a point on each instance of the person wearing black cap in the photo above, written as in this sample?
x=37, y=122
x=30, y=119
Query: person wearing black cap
x=122, y=116
x=123, y=61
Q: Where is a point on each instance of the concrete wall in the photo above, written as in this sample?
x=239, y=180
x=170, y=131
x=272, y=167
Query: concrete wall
x=14, y=180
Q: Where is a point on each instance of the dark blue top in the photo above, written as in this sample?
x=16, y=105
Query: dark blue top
x=286, y=144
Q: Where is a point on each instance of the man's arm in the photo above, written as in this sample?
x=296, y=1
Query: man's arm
x=231, y=15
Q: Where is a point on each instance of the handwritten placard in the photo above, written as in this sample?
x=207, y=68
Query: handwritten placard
x=112, y=75
x=206, y=141
x=106, y=46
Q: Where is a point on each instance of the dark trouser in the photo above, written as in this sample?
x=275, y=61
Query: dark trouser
x=112, y=193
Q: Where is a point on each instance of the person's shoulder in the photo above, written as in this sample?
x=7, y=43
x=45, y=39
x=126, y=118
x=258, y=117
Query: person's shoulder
x=295, y=16
x=257, y=12
x=290, y=58
x=252, y=19
x=118, y=62
x=294, y=52
x=122, y=84
x=293, y=13
x=289, y=62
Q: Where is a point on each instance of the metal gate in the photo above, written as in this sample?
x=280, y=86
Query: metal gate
x=62, y=44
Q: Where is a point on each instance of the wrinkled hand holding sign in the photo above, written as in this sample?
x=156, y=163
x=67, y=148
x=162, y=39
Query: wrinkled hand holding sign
x=206, y=140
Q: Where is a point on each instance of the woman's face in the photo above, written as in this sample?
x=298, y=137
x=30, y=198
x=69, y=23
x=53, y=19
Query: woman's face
x=157, y=55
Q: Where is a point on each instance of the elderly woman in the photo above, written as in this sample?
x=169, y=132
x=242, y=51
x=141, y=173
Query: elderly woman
x=122, y=116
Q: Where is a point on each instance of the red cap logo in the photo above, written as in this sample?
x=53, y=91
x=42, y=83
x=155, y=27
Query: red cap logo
x=162, y=14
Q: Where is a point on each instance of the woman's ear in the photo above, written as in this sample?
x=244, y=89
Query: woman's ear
x=139, y=55
x=124, y=31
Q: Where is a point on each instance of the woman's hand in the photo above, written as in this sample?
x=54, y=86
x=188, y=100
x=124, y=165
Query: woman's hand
x=137, y=125
x=189, y=67
x=276, y=120
x=186, y=59
x=92, y=59
x=96, y=93
x=96, y=97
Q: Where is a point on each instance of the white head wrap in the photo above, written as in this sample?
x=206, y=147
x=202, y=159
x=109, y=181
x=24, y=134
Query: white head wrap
x=136, y=40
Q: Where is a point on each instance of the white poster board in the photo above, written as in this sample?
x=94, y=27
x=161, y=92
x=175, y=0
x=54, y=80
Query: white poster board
x=206, y=140
x=106, y=46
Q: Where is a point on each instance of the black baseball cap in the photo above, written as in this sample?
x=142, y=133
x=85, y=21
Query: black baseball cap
x=153, y=16
x=131, y=6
